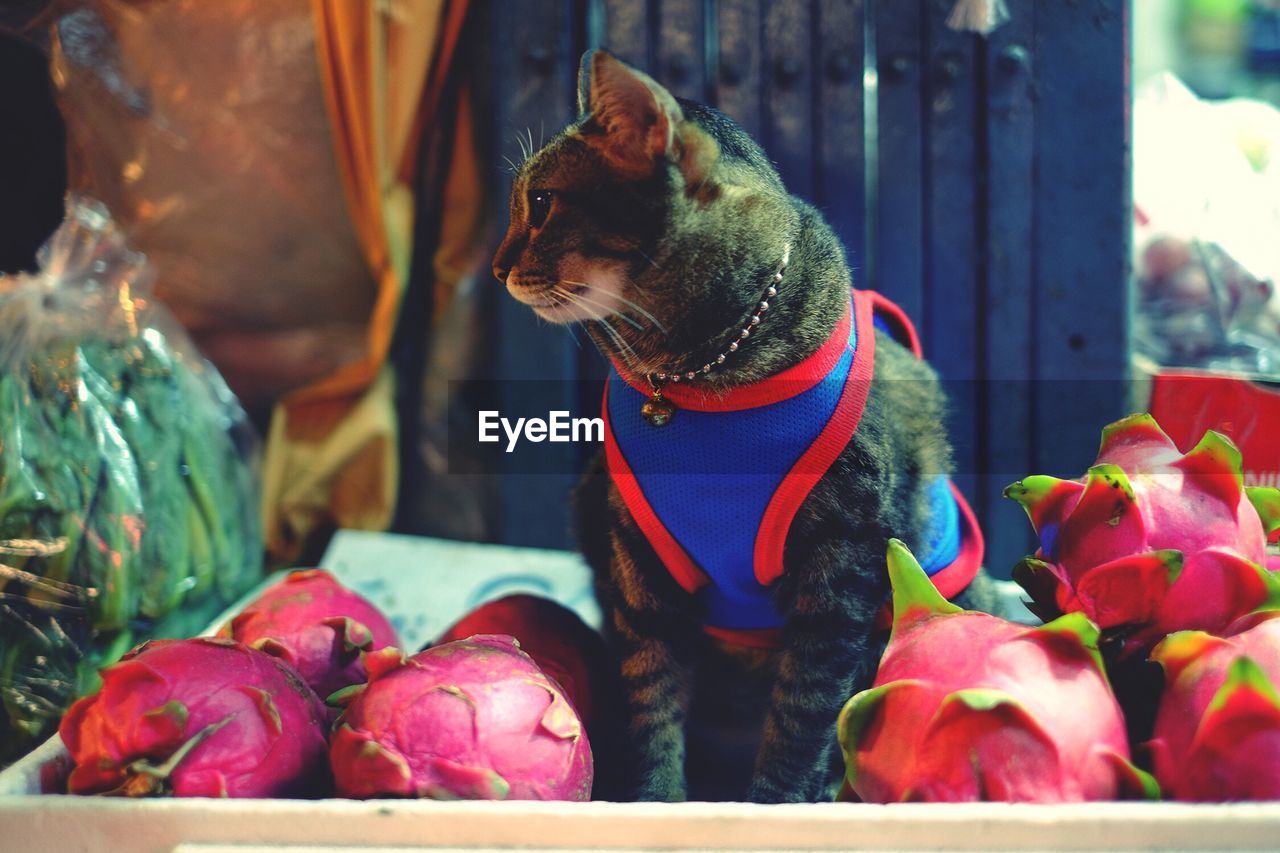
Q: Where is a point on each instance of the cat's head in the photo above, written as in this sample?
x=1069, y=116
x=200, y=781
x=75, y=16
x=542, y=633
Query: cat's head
x=655, y=216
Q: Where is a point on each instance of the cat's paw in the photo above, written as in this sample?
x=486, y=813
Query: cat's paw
x=663, y=788
x=768, y=791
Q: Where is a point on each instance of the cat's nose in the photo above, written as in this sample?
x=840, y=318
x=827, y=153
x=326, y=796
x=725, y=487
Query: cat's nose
x=501, y=271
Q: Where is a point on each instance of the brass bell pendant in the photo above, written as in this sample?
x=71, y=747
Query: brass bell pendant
x=657, y=411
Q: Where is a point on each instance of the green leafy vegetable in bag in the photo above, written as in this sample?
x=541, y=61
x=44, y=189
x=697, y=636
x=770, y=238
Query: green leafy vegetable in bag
x=128, y=498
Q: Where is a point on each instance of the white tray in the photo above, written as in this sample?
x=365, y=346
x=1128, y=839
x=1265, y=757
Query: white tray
x=242, y=826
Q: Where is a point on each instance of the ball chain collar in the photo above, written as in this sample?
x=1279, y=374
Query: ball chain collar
x=658, y=410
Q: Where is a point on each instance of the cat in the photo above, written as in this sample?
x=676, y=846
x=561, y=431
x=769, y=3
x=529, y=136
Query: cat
x=724, y=305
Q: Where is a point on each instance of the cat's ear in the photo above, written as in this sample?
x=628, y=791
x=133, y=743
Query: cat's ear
x=584, y=82
x=639, y=119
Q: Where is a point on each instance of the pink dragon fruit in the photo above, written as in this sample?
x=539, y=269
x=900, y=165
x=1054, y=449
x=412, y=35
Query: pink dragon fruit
x=316, y=625
x=1152, y=541
x=471, y=719
x=205, y=717
x=560, y=643
x=1217, y=733
x=968, y=707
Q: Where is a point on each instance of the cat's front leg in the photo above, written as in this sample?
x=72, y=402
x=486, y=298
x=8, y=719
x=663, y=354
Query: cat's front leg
x=657, y=645
x=828, y=654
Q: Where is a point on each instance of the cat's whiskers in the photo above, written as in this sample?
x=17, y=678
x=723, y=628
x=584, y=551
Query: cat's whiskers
x=651, y=261
x=625, y=301
x=628, y=353
x=515, y=170
x=624, y=349
x=606, y=307
x=582, y=297
x=558, y=311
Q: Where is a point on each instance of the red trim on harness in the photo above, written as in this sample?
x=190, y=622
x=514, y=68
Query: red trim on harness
x=898, y=321
x=783, y=385
x=955, y=577
x=673, y=556
x=771, y=537
x=752, y=638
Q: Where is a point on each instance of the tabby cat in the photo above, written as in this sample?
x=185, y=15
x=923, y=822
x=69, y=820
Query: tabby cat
x=754, y=470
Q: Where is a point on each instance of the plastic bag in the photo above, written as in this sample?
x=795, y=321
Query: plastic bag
x=203, y=129
x=129, y=502
x=1206, y=193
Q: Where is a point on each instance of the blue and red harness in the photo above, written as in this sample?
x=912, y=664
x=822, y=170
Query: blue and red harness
x=715, y=491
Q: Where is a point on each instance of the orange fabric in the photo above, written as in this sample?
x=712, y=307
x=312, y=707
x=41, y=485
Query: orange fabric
x=332, y=451
x=374, y=59
x=384, y=64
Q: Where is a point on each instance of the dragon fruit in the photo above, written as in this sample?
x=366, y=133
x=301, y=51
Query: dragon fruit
x=559, y=642
x=1217, y=733
x=968, y=707
x=316, y=625
x=471, y=719
x=206, y=717
x=1151, y=541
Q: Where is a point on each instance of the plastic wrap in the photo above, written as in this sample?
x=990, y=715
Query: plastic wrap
x=203, y=128
x=129, y=500
x=1206, y=215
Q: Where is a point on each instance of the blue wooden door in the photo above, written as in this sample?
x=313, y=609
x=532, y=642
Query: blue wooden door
x=982, y=183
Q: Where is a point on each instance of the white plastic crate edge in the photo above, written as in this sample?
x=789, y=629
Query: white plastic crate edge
x=142, y=826
x=423, y=585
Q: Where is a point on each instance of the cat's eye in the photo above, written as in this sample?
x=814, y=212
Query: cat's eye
x=539, y=207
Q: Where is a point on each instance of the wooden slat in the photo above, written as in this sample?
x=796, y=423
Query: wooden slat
x=1006, y=430
x=898, y=213
x=841, y=186
x=535, y=361
x=787, y=79
x=951, y=314
x=681, y=65
x=1080, y=237
x=737, y=90
x=626, y=30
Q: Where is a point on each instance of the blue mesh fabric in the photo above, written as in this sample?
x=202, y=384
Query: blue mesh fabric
x=709, y=477
x=940, y=544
